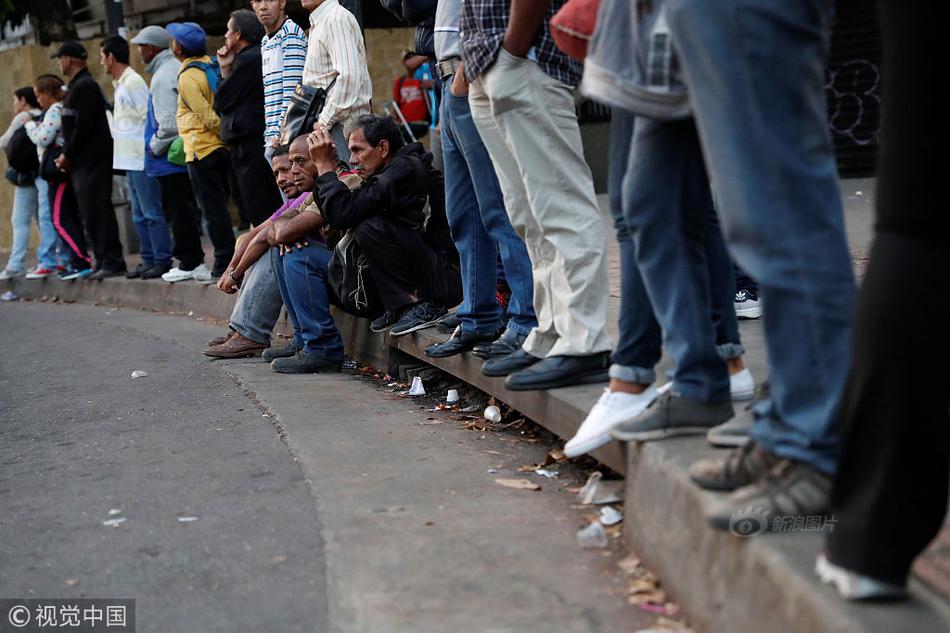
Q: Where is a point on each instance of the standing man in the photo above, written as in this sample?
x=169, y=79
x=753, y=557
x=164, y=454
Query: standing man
x=87, y=157
x=239, y=102
x=336, y=55
x=205, y=154
x=283, y=52
x=130, y=115
x=522, y=101
x=178, y=198
x=476, y=212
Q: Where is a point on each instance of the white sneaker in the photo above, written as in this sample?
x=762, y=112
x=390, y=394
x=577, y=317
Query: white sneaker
x=613, y=408
x=202, y=275
x=741, y=385
x=10, y=274
x=176, y=274
x=853, y=586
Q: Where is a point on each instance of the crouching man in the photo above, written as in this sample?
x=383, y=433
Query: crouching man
x=398, y=218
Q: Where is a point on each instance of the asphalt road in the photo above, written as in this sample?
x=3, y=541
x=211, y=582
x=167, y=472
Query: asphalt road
x=322, y=503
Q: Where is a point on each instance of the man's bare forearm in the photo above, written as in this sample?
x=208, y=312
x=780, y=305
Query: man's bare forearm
x=524, y=23
x=243, y=244
x=297, y=228
x=255, y=249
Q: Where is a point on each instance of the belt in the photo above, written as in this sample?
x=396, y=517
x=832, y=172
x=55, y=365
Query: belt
x=447, y=67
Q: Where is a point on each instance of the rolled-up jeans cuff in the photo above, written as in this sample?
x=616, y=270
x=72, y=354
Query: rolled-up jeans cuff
x=522, y=330
x=728, y=351
x=639, y=375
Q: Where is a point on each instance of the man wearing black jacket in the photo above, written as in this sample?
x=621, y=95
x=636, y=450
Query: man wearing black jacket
x=239, y=103
x=398, y=216
x=87, y=157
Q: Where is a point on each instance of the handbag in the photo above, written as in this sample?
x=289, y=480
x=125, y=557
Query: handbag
x=305, y=107
x=352, y=281
x=48, y=169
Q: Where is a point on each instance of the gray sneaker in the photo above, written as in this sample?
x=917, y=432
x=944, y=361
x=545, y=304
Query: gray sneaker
x=790, y=490
x=733, y=433
x=672, y=414
x=741, y=467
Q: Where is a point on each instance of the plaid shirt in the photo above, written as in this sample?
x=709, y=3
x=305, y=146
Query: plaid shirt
x=482, y=30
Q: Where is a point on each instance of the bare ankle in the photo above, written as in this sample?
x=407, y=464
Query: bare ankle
x=622, y=386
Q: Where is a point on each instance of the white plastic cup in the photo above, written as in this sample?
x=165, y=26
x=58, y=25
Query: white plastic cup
x=452, y=397
x=493, y=414
x=417, y=389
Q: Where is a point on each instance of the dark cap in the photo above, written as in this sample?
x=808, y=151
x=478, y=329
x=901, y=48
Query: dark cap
x=71, y=48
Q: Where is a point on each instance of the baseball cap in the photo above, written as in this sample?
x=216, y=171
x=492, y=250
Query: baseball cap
x=188, y=34
x=153, y=35
x=72, y=48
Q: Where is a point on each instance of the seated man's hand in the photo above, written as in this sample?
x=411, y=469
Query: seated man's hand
x=322, y=151
x=227, y=284
x=289, y=248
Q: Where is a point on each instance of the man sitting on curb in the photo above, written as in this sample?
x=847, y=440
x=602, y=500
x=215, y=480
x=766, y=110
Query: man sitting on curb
x=300, y=258
x=412, y=258
x=258, y=306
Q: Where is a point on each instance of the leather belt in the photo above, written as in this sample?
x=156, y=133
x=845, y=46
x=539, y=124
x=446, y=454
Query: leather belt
x=448, y=67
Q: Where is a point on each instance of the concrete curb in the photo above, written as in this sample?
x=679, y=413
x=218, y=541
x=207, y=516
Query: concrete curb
x=724, y=582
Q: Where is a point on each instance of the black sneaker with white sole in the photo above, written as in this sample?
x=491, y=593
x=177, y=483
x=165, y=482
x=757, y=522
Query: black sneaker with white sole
x=418, y=317
x=672, y=414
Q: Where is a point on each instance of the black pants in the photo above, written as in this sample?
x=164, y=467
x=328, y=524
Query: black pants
x=405, y=268
x=181, y=211
x=257, y=188
x=92, y=185
x=890, y=494
x=65, y=212
x=209, y=178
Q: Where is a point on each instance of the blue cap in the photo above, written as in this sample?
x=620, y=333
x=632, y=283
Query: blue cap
x=188, y=34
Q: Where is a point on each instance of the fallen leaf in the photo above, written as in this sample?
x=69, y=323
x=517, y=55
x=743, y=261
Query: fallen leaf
x=656, y=597
x=629, y=565
x=556, y=455
x=519, y=484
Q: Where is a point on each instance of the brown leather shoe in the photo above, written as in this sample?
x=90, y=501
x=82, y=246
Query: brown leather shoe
x=219, y=340
x=236, y=347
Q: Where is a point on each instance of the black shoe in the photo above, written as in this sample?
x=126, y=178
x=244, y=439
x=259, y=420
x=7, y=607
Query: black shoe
x=303, y=363
x=383, y=323
x=504, y=365
x=507, y=343
x=105, y=273
x=155, y=271
x=448, y=323
x=459, y=342
x=136, y=272
x=561, y=371
x=418, y=317
x=273, y=353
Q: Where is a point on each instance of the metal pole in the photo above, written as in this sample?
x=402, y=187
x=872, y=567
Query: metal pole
x=115, y=19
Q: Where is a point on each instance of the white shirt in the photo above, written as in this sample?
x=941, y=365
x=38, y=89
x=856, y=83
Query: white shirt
x=129, y=114
x=335, y=49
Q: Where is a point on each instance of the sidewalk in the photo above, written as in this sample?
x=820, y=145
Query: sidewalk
x=724, y=583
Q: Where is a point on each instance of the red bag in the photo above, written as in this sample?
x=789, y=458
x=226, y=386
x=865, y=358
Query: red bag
x=573, y=26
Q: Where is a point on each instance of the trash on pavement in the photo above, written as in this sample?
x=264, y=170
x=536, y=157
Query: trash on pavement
x=138, y=373
x=555, y=455
x=417, y=389
x=630, y=565
x=518, y=484
x=72, y=582
x=544, y=472
x=597, y=491
x=349, y=363
x=114, y=511
x=593, y=536
x=113, y=522
x=452, y=397
x=8, y=296
x=187, y=519
x=609, y=515
x=493, y=414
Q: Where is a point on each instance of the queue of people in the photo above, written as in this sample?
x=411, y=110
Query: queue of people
x=347, y=213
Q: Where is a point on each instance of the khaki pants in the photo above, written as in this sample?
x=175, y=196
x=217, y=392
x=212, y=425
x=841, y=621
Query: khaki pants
x=527, y=121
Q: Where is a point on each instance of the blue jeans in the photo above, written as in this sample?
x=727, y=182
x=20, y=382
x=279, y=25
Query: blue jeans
x=145, y=194
x=302, y=278
x=639, y=347
x=24, y=210
x=50, y=252
x=481, y=228
x=667, y=202
x=258, y=305
x=773, y=170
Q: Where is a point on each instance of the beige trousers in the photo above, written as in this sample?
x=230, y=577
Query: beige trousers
x=529, y=126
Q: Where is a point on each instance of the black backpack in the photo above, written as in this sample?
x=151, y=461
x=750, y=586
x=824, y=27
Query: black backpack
x=21, y=153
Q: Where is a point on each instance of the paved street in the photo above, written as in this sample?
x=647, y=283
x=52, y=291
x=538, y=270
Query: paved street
x=319, y=503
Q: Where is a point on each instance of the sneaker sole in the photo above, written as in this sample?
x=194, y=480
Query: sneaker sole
x=588, y=445
x=713, y=484
x=657, y=434
x=415, y=328
x=745, y=394
x=749, y=313
x=727, y=441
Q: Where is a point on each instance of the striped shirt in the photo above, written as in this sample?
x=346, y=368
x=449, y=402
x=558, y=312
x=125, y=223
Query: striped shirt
x=282, y=56
x=335, y=50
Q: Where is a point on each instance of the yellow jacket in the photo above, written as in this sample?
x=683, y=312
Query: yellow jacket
x=198, y=125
